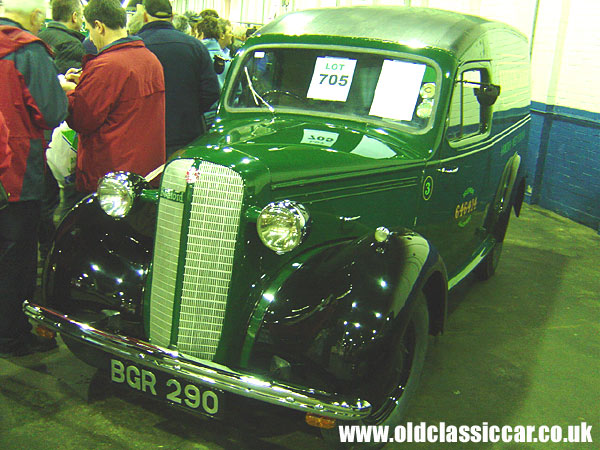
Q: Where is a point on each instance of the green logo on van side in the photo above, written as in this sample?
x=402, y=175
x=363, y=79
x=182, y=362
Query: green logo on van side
x=464, y=209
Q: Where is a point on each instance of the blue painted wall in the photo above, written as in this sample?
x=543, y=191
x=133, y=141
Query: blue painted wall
x=564, y=162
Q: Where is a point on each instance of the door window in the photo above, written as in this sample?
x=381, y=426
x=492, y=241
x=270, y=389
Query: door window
x=468, y=117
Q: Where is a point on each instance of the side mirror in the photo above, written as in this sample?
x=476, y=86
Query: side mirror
x=487, y=94
x=219, y=64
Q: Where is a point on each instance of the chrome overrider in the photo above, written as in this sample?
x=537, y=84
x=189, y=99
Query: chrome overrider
x=204, y=373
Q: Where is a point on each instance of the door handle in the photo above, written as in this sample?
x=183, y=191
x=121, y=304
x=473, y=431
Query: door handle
x=447, y=169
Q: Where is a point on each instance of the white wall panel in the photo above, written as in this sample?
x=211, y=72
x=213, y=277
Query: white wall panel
x=517, y=13
x=461, y=6
x=580, y=63
x=547, y=42
x=395, y=2
x=182, y=6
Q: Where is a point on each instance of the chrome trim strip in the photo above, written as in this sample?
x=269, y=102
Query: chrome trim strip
x=203, y=372
x=485, y=144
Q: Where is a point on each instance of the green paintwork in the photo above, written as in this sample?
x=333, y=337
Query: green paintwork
x=252, y=214
x=510, y=144
x=267, y=297
x=150, y=195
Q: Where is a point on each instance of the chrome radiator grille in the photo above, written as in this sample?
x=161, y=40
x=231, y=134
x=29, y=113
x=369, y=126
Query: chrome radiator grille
x=166, y=253
x=208, y=263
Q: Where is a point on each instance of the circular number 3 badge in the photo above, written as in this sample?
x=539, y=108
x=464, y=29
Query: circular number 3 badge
x=427, y=188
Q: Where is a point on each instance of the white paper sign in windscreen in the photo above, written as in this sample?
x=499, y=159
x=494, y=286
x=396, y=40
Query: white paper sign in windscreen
x=331, y=79
x=397, y=90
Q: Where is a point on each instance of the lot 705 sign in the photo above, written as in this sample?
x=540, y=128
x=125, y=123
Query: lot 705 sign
x=331, y=79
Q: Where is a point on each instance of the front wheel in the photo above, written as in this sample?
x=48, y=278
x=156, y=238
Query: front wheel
x=408, y=365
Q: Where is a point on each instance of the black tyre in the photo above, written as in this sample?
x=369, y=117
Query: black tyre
x=412, y=349
x=487, y=268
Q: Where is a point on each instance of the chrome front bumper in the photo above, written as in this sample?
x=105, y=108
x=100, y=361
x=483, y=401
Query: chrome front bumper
x=204, y=373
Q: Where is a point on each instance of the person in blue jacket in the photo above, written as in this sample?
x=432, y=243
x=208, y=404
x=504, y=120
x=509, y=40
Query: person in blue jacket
x=216, y=36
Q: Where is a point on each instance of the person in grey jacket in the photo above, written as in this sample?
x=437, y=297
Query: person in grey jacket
x=63, y=34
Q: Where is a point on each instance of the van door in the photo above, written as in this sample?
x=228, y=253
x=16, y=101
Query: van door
x=460, y=175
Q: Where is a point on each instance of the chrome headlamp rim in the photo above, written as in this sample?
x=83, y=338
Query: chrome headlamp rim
x=128, y=184
x=295, y=212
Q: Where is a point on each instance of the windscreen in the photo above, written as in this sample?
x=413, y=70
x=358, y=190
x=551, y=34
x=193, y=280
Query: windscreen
x=361, y=85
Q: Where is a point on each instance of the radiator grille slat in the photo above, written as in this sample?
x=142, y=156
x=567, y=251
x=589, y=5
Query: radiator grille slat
x=212, y=233
x=166, y=254
x=214, y=223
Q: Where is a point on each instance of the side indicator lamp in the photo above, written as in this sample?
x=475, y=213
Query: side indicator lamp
x=44, y=332
x=319, y=421
x=382, y=234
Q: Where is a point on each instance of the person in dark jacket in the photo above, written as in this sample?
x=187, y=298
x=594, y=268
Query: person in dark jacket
x=31, y=100
x=189, y=93
x=63, y=34
x=90, y=48
x=117, y=103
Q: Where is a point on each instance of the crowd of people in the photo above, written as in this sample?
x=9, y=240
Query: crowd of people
x=133, y=90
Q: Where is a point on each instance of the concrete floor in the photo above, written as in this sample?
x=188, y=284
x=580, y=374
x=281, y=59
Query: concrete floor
x=522, y=348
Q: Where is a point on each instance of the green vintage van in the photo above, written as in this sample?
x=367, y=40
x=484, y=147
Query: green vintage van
x=363, y=162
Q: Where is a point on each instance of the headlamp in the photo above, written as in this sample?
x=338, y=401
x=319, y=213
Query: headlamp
x=117, y=192
x=282, y=225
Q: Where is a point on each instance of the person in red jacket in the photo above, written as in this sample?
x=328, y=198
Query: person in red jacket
x=5, y=158
x=5, y=152
x=31, y=100
x=118, y=102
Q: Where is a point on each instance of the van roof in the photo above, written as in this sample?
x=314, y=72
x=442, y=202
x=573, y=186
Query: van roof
x=416, y=27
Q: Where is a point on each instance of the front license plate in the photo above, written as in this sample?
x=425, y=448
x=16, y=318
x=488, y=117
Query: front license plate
x=166, y=387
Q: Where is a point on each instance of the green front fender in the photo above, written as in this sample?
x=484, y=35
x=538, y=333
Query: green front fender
x=335, y=316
